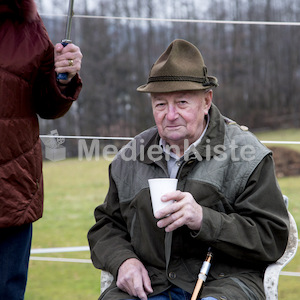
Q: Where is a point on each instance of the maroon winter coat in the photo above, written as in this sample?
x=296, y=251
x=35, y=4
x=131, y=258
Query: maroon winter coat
x=27, y=87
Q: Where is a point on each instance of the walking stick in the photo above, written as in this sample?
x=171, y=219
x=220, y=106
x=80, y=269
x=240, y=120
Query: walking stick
x=67, y=40
x=203, y=274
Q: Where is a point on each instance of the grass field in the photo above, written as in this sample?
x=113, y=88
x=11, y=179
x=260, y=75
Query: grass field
x=72, y=190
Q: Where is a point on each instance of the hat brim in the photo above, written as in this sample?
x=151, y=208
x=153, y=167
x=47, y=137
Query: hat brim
x=175, y=86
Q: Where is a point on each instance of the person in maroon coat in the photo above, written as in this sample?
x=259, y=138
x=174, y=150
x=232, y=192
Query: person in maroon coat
x=29, y=64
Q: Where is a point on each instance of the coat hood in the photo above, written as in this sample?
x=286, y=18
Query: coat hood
x=22, y=10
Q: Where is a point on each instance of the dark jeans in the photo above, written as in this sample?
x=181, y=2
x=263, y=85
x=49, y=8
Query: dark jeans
x=175, y=293
x=15, y=244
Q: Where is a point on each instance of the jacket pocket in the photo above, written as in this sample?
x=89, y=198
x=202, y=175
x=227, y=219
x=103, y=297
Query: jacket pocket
x=250, y=295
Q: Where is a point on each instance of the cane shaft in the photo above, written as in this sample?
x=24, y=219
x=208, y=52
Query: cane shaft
x=197, y=289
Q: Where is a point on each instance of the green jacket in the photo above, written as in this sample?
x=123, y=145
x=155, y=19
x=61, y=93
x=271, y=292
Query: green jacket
x=231, y=175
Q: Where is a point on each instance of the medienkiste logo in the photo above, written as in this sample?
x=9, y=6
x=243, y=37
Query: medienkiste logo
x=54, y=150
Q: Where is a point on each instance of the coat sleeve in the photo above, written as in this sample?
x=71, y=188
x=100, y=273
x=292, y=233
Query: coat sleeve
x=49, y=102
x=258, y=229
x=109, y=238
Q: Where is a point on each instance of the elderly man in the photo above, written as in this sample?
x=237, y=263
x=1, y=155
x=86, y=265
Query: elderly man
x=227, y=198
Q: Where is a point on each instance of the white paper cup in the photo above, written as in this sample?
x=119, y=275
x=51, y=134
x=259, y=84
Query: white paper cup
x=158, y=188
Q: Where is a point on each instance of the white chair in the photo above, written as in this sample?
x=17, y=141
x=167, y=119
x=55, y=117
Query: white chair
x=272, y=272
x=106, y=280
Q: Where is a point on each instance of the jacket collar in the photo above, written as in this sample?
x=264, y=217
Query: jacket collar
x=214, y=135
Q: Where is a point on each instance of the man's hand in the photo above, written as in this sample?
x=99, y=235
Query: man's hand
x=67, y=60
x=133, y=278
x=184, y=211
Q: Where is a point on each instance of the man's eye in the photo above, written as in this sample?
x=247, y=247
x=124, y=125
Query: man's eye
x=183, y=102
x=160, y=105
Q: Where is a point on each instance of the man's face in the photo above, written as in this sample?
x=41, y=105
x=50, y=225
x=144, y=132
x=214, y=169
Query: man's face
x=181, y=115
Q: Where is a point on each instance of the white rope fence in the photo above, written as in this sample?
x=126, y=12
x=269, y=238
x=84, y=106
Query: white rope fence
x=58, y=259
x=281, y=142
x=267, y=23
x=59, y=250
x=130, y=138
x=86, y=137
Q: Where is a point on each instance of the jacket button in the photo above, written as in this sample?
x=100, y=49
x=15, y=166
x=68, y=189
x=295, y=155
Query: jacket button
x=221, y=275
x=172, y=275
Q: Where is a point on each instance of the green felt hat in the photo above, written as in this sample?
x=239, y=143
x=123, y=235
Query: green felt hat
x=181, y=67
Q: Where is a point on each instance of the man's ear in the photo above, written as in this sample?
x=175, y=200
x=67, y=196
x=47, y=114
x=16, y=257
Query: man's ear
x=208, y=100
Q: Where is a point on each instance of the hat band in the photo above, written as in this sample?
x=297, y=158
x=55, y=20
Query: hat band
x=203, y=80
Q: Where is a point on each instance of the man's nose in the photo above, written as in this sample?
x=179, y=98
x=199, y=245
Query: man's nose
x=172, y=113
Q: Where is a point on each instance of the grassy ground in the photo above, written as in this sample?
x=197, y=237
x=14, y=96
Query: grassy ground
x=72, y=190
